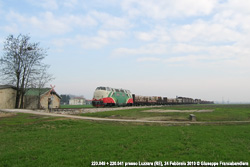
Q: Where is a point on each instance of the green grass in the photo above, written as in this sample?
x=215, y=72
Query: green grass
x=220, y=113
x=31, y=140
x=76, y=106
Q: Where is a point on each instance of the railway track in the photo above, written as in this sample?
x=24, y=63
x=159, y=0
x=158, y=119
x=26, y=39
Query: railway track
x=92, y=110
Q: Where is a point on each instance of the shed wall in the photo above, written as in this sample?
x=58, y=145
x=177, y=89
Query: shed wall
x=7, y=98
x=32, y=101
x=45, y=98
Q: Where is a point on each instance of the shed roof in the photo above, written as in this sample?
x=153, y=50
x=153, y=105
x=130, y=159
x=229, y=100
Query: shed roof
x=7, y=86
x=41, y=91
x=36, y=91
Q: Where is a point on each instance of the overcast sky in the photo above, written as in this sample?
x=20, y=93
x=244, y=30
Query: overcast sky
x=192, y=48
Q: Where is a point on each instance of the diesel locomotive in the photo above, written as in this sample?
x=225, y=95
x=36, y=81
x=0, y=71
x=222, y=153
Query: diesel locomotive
x=107, y=96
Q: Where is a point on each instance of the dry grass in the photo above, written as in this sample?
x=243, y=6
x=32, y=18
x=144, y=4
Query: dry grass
x=163, y=111
x=5, y=114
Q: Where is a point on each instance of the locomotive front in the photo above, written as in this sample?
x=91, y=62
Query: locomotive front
x=101, y=97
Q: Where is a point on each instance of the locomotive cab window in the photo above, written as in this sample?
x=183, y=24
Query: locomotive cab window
x=100, y=88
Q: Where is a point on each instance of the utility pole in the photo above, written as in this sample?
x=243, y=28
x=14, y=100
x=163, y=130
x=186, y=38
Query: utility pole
x=50, y=100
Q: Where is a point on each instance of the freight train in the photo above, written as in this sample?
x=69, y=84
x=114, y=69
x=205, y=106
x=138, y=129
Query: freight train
x=106, y=96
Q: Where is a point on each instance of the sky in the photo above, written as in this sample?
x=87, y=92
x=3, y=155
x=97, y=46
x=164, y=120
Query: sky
x=190, y=48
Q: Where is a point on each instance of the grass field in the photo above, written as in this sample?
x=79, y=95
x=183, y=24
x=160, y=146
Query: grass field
x=31, y=140
x=220, y=113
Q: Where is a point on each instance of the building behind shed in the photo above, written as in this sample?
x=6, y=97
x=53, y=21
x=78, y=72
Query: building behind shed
x=77, y=101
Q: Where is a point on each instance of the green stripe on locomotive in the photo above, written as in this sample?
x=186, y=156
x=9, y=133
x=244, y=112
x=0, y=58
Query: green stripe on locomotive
x=119, y=97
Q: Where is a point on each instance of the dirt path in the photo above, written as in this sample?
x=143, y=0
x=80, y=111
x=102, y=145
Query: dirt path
x=117, y=120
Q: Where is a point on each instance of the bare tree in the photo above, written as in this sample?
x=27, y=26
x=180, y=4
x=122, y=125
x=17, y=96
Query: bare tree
x=40, y=80
x=21, y=63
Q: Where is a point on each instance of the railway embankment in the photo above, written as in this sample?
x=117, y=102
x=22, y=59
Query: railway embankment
x=66, y=114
